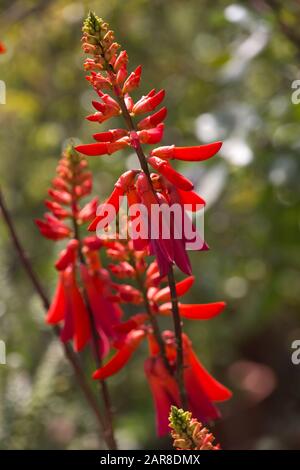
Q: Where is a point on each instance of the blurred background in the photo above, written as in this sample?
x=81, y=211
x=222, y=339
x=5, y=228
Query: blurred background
x=228, y=70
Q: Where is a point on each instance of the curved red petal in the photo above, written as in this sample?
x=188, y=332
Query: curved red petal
x=121, y=357
x=201, y=311
x=214, y=389
x=181, y=288
x=196, y=154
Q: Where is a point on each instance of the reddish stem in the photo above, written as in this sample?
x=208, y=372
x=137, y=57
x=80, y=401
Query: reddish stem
x=104, y=392
x=69, y=353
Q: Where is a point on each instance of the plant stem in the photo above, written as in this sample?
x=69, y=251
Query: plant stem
x=144, y=167
x=104, y=392
x=171, y=280
x=69, y=353
x=153, y=321
x=178, y=334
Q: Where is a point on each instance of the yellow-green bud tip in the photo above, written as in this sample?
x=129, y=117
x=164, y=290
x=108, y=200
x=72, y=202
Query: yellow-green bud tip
x=93, y=24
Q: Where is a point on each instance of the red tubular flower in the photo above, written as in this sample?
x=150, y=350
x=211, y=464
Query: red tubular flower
x=88, y=211
x=57, y=210
x=133, y=80
x=109, y=70
x=170, y=174
x=123, y=270
x=153, y=120
x=122, y=356
x=214, y=389
x=164, y=392
x=72, y=183
x=102, y=148
x=192, y=154
x=105, y=312
x=68, y=255
x=202, y=389
x=148, y=103
x=110, y=136
x=163, y=295
x=134, y=323
x=2, y=48
x=190, y=198
x=56, y=311
x=128, y=294
x=195, y=311
x=151, y=136
x=53, y=228
x=121, y=187
x=61, y=197
x=68, y=306
x=121, y=60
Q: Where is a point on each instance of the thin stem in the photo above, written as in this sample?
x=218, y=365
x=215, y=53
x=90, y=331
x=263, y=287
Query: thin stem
x=104, y=392
x=171, y=280
x=153, y=321
x=69, y=353
x=178, y=334
x=144, y=167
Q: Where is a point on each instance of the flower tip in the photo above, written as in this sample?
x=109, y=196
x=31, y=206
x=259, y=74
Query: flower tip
x=97, y=374
x=2, y=48
x=93, y=225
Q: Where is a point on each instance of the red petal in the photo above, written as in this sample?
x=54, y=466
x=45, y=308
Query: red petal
x=181, y=288
x=201, y=311
x=93, y=149
x=67, y=256
x=148, y=103
x=114, y=200
x=103, y=136
x=99, y=106
x=89, y=210
x=121, y=357
x=191, y=198
x=56, y=311
x=153, y=120
x=2, y=48
x=81, y=320
x=170, y=174
x=214, y=389
x=195, y=311
x=199, y=153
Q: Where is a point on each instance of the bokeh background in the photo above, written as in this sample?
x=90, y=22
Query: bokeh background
x=228, y=70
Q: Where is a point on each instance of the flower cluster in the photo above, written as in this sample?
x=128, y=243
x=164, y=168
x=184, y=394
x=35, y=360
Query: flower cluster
x=188, y=433
x=202, y=389
x=88, y=298
x=165, y=186
x=84, y=292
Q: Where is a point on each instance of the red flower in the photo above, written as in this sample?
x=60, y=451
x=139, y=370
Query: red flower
x=202, y=389
x=68, y=306
x=2, y=48
x=53, y=228
x=191, y=154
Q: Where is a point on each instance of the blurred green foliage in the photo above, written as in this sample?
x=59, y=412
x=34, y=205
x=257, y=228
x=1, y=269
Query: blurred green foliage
x=227, y=70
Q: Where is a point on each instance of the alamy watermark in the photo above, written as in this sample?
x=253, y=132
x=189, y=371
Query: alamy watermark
x=295, y=357
x=2, y=352
x=295, y=98
x=157, y=222
x=2, y=92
